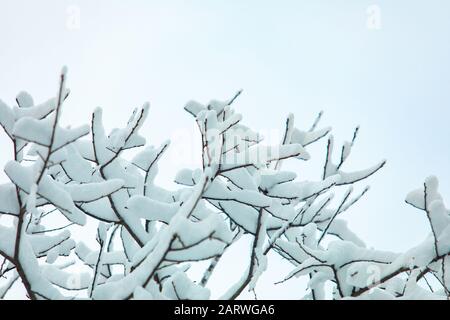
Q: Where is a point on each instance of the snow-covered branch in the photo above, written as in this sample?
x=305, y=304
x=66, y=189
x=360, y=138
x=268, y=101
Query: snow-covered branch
x=63, y=179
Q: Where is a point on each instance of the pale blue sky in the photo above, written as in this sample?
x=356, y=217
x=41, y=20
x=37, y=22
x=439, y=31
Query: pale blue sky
x=288, y=56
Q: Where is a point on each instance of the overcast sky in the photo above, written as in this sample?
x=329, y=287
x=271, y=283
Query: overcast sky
x=383, y=65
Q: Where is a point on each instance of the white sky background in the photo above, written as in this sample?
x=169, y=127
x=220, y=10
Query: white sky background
x=288, y=56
